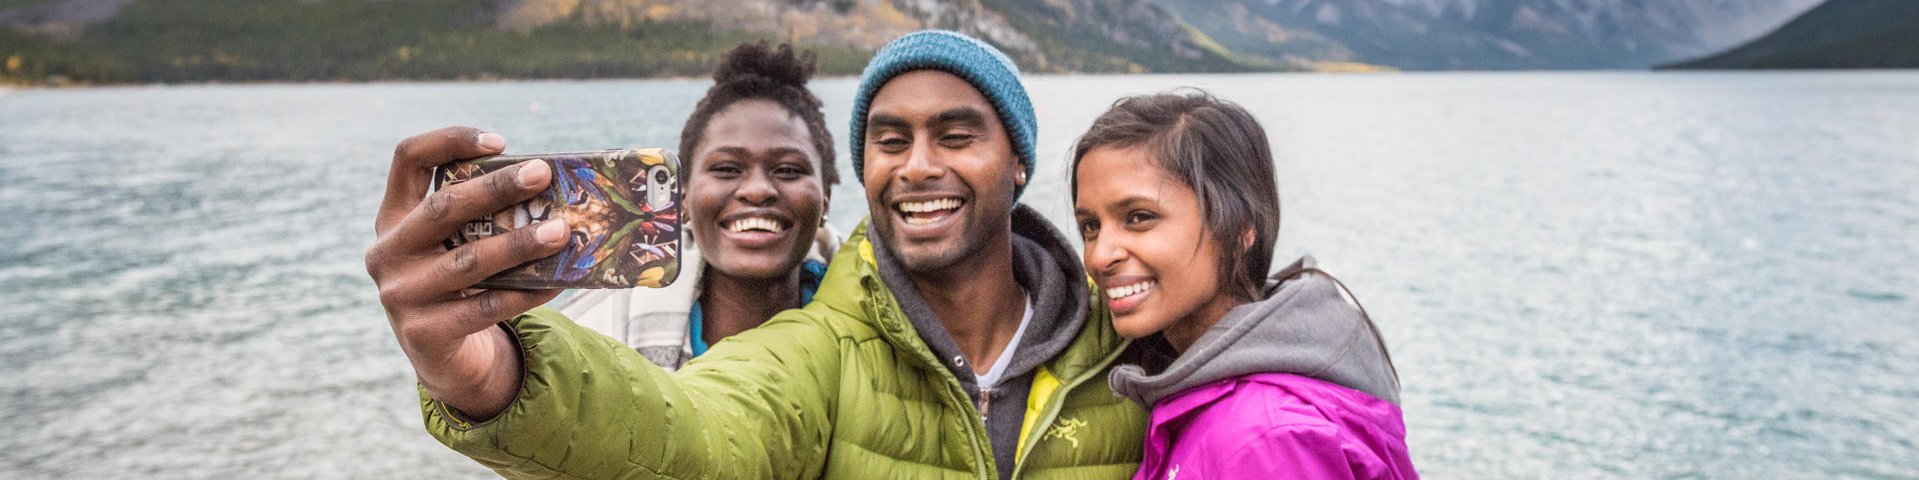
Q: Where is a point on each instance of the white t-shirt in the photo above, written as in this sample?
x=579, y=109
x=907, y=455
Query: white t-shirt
x=992, y=376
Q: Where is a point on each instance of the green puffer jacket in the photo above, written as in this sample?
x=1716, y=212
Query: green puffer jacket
x=843, y=388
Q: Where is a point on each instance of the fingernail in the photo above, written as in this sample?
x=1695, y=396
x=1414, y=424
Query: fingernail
x=533, y=174
x=550, y=231
x=492, y=141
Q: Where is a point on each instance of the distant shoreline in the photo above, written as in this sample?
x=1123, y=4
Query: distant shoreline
x=404, y=81
x=86, y=85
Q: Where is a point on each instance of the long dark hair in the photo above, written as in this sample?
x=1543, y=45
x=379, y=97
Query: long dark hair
x=756, y=70
x=1217, y=148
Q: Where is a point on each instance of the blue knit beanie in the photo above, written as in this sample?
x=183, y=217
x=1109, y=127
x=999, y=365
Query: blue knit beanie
x=989, y=70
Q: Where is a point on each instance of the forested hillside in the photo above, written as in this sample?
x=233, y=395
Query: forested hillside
x=1837, y=34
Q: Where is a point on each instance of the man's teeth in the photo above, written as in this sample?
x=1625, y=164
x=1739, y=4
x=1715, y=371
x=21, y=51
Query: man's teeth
x=1129, y=290
x=930, y=205
x=914, y=209
x=764, y=224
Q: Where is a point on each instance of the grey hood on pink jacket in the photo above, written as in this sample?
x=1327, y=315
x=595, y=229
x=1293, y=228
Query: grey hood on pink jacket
x=1307, y=325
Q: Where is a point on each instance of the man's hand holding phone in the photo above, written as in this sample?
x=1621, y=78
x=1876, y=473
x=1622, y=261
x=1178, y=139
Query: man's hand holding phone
x=445, y=327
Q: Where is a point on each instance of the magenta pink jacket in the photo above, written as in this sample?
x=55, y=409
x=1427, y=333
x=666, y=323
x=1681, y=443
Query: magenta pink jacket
x=1297, y=385
x=1275, y=425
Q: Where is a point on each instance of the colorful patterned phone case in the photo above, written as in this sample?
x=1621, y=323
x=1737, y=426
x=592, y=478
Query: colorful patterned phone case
x=622, y=211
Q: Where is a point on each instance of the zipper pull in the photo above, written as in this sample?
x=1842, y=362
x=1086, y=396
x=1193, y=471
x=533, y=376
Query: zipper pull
x=985, y=403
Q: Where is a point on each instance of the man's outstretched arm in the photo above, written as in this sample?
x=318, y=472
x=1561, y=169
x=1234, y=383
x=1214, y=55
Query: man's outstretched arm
x=758, y=405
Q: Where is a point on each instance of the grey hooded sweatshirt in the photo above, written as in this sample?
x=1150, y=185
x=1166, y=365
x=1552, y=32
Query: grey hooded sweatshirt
x=1307, y=325
x=1047, y=268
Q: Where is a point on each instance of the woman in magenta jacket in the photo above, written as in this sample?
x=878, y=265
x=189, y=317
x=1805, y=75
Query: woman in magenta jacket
x=1274, y=377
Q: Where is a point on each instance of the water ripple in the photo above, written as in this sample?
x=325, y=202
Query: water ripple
x=1580, y=275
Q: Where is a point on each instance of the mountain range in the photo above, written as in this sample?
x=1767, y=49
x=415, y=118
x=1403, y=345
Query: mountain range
x=1055, y=35
x=108, y=41
x=1484, y=34
x=1836, y=34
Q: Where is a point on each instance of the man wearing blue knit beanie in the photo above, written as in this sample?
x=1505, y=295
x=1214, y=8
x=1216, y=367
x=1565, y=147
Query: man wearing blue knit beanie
x=943, y=140
x=954, y=336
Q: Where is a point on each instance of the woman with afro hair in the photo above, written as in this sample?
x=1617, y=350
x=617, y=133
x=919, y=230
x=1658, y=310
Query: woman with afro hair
x=758, y=174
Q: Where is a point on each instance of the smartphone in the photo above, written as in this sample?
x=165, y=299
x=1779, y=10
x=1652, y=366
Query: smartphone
x=622, y=212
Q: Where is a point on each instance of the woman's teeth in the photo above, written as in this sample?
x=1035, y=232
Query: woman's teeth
x=914, y=210
x=1129, y=290
x=762, y=224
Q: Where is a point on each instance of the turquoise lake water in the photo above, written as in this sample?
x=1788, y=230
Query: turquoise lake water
x=1627, y=275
